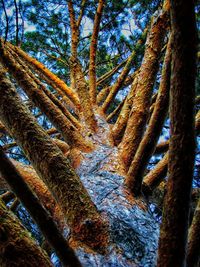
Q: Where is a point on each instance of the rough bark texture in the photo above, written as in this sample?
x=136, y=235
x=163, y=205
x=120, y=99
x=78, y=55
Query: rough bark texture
x=155, y=176
x=82, y=90
x=38, y=186
x=17, y=248
x=173, y=234
x=52, y=167
x=151, y=135
x=142, y=100
x=50, y=95
x=193, y=248
x=38, y=212
x=55, y=115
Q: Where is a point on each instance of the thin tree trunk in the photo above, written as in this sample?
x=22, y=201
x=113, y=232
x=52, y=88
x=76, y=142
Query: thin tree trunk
x=156, y=175
x=68, y=131
x=193, y=248
x=74, y=30
x=105, y=91
x=174, y=227
x=17, y=248
x=53, y=168
x=81, y=13
x=103, y=94
x=110, y=73
x=38, y=186
x=120, y=125
x=117, y=86
x=115, y=111
x=142, y=100
x=148, y=144
x=74, y=42
x=47, y=73
x=51, y=96
x=93, y=51
x=82, y=90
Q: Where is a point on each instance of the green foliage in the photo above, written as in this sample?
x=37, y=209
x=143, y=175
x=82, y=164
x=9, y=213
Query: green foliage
x=48, y=36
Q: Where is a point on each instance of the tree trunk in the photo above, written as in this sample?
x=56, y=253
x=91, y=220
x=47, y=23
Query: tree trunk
x=151, y=135
x=93, y=52
x=146, y=78
x=173, y=234
x=120, y=125
x=38, y=186
x=193, y=249
x=67, y=129
x=62, y=181
x=37, y=211
x=49, y=75
x=17, y=248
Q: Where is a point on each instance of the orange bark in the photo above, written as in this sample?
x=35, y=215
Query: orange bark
x=82, y=90
x=148, y=144
x=142, y=100
x=93, y=50
x=24, y=79
x=156, y=175
x=38, y=186
x=61, y=180
x=52, y=77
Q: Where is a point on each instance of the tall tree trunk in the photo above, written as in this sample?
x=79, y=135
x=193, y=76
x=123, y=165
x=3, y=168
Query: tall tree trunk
x=17, y=248
x=83, y=93
x=93, y=51
x=141, y=104
x=151, y=135
x=53, y=168
x=174, y=228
